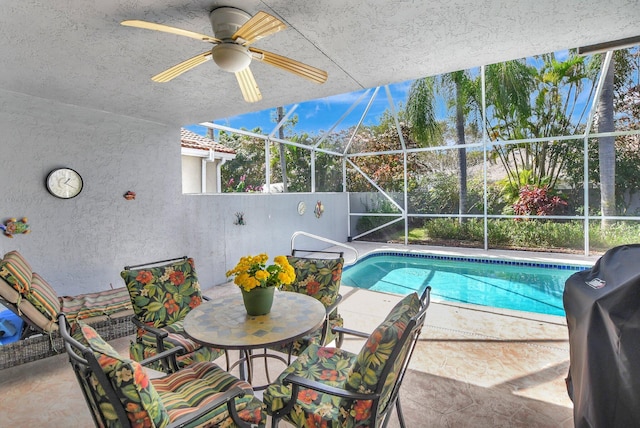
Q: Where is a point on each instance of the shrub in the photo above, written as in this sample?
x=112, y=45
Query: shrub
x=452, y=229
x=537, y=201
x=366, y=223
x=616, y=234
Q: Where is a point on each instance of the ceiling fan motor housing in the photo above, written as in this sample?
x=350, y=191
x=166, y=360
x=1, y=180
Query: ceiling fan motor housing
x=229, y=55
x=225, y=21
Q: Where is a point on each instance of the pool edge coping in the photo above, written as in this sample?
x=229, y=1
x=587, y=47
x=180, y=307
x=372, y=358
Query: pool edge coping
x=576, y=266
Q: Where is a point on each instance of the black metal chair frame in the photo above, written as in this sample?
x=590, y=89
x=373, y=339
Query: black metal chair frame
x=84, y=364
x=410, y=335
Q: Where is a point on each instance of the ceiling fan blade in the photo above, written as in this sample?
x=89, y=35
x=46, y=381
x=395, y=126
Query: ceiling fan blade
x=248, y=86
x=184, y=66
x=171, y=30
x=260, y=25
x=292, y=66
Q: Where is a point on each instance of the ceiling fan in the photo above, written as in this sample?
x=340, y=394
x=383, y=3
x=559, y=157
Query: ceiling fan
x=235, y=31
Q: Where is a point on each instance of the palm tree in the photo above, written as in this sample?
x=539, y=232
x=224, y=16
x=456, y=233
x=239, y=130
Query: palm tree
x=420, y=110
x=525, y=101
x=283, y=159
x=458, y=79
x=606, y=146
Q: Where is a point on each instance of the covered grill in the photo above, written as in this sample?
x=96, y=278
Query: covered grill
x=603, y=316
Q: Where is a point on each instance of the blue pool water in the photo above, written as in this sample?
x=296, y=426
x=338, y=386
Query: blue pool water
x=519, y=285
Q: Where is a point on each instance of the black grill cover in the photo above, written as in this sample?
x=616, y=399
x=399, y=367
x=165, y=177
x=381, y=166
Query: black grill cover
x=603, y=315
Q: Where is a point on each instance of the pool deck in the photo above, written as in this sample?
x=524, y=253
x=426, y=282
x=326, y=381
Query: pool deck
x=473, y=366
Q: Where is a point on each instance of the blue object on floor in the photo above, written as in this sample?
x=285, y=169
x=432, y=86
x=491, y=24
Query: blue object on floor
x=11, y=326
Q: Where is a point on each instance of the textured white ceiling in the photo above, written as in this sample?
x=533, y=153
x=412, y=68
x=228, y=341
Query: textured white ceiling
x=76, y=51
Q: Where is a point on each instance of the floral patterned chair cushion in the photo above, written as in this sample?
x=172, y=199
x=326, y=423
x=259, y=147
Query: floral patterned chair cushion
x=162, y=296
x=165, y=294
x=132, y=385
x=344, y=370
x=375, y=353
x=318, y=278
x=330, y=366
x=157, y=402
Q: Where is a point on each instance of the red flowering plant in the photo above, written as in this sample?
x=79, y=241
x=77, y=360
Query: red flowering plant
x=537, y=201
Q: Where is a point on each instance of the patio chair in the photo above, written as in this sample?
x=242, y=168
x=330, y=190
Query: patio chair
x=334, y=387
x=318, y=278
x=120, y=393
x=162, y=294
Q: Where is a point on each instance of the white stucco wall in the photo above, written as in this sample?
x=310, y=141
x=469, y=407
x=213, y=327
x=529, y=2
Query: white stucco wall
x=191, y=174
x=80, y=245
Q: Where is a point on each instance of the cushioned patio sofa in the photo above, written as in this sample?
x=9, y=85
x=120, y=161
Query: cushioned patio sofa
x=28, y=295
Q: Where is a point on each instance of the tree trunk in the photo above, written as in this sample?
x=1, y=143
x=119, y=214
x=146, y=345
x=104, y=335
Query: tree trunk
x=462, y=152
x=283, y=159
x=606, y=148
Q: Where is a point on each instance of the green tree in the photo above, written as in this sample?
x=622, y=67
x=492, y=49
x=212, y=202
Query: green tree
x=542, y=101
x=421, y=105
x=277, y=115
x=245, y=173
x=626, y=109
x=386, y=170
x=459, y=82
x=328, y=171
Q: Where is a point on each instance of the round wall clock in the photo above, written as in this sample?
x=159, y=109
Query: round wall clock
x=302, y=207
x=64, y=183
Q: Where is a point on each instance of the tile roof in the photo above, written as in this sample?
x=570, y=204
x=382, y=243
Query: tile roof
x=191, y=140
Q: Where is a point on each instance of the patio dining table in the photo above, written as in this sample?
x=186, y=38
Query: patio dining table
x=223, y=323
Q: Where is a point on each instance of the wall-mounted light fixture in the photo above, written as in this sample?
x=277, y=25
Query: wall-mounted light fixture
x=607, y=46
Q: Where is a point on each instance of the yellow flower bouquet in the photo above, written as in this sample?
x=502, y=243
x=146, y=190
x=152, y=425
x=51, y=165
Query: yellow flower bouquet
x=252, y=272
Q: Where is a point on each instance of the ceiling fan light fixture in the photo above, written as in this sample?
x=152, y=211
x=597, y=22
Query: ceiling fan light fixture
x=231, y=57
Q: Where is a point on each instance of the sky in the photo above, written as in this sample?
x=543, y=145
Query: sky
x=316, y=116
x=321, y=114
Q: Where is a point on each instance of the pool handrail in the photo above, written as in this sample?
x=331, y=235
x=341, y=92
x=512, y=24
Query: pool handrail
x=323, y=239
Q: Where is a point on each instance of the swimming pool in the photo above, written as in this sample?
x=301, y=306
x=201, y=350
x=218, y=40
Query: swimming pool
x=519, y=285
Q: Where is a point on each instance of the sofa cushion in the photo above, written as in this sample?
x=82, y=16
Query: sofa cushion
x=35, y=315
x=164, y=294
x=16, y=271
x=43, y=297
x=90, y=305
x=8, y=293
